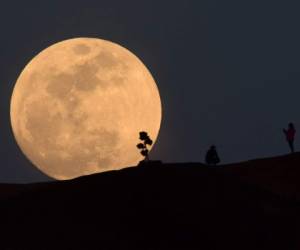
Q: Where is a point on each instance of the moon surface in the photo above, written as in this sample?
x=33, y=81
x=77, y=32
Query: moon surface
x=78, y=106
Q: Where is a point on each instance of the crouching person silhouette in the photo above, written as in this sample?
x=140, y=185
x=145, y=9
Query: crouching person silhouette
x=290, y=136
x=212, y=157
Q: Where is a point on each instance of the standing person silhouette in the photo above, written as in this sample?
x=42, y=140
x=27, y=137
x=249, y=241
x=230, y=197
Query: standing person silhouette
x=290, y=136
x=212, y=157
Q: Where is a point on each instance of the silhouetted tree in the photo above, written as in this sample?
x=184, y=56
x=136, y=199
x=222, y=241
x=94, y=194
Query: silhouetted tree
x=144, y=137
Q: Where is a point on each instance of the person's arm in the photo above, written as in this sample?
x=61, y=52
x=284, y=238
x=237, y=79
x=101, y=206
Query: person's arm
x=284, y=131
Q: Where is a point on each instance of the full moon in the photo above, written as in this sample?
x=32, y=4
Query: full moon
x=78, y=106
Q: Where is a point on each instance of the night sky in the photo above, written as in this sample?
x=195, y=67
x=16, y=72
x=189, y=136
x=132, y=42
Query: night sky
x=228, y=71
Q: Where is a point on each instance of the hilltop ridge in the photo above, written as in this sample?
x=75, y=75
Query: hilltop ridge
x=160, y=206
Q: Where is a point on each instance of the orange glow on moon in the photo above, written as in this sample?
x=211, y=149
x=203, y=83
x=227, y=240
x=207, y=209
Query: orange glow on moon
x=78, y=107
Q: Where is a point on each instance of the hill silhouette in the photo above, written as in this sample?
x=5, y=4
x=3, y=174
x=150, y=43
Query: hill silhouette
x=250, y=205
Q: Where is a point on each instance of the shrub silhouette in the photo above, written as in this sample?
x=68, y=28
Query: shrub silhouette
x=144, y=137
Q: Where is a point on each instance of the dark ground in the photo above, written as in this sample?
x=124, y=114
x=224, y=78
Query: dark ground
x=251, y=205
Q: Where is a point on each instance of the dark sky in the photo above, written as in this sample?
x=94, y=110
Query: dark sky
x=228, y=71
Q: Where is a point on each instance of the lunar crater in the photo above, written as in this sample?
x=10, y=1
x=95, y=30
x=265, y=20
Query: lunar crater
x=81, y=49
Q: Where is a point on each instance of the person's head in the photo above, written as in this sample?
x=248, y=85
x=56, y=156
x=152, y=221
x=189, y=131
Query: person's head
x=213, y=147
x=291, y=125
